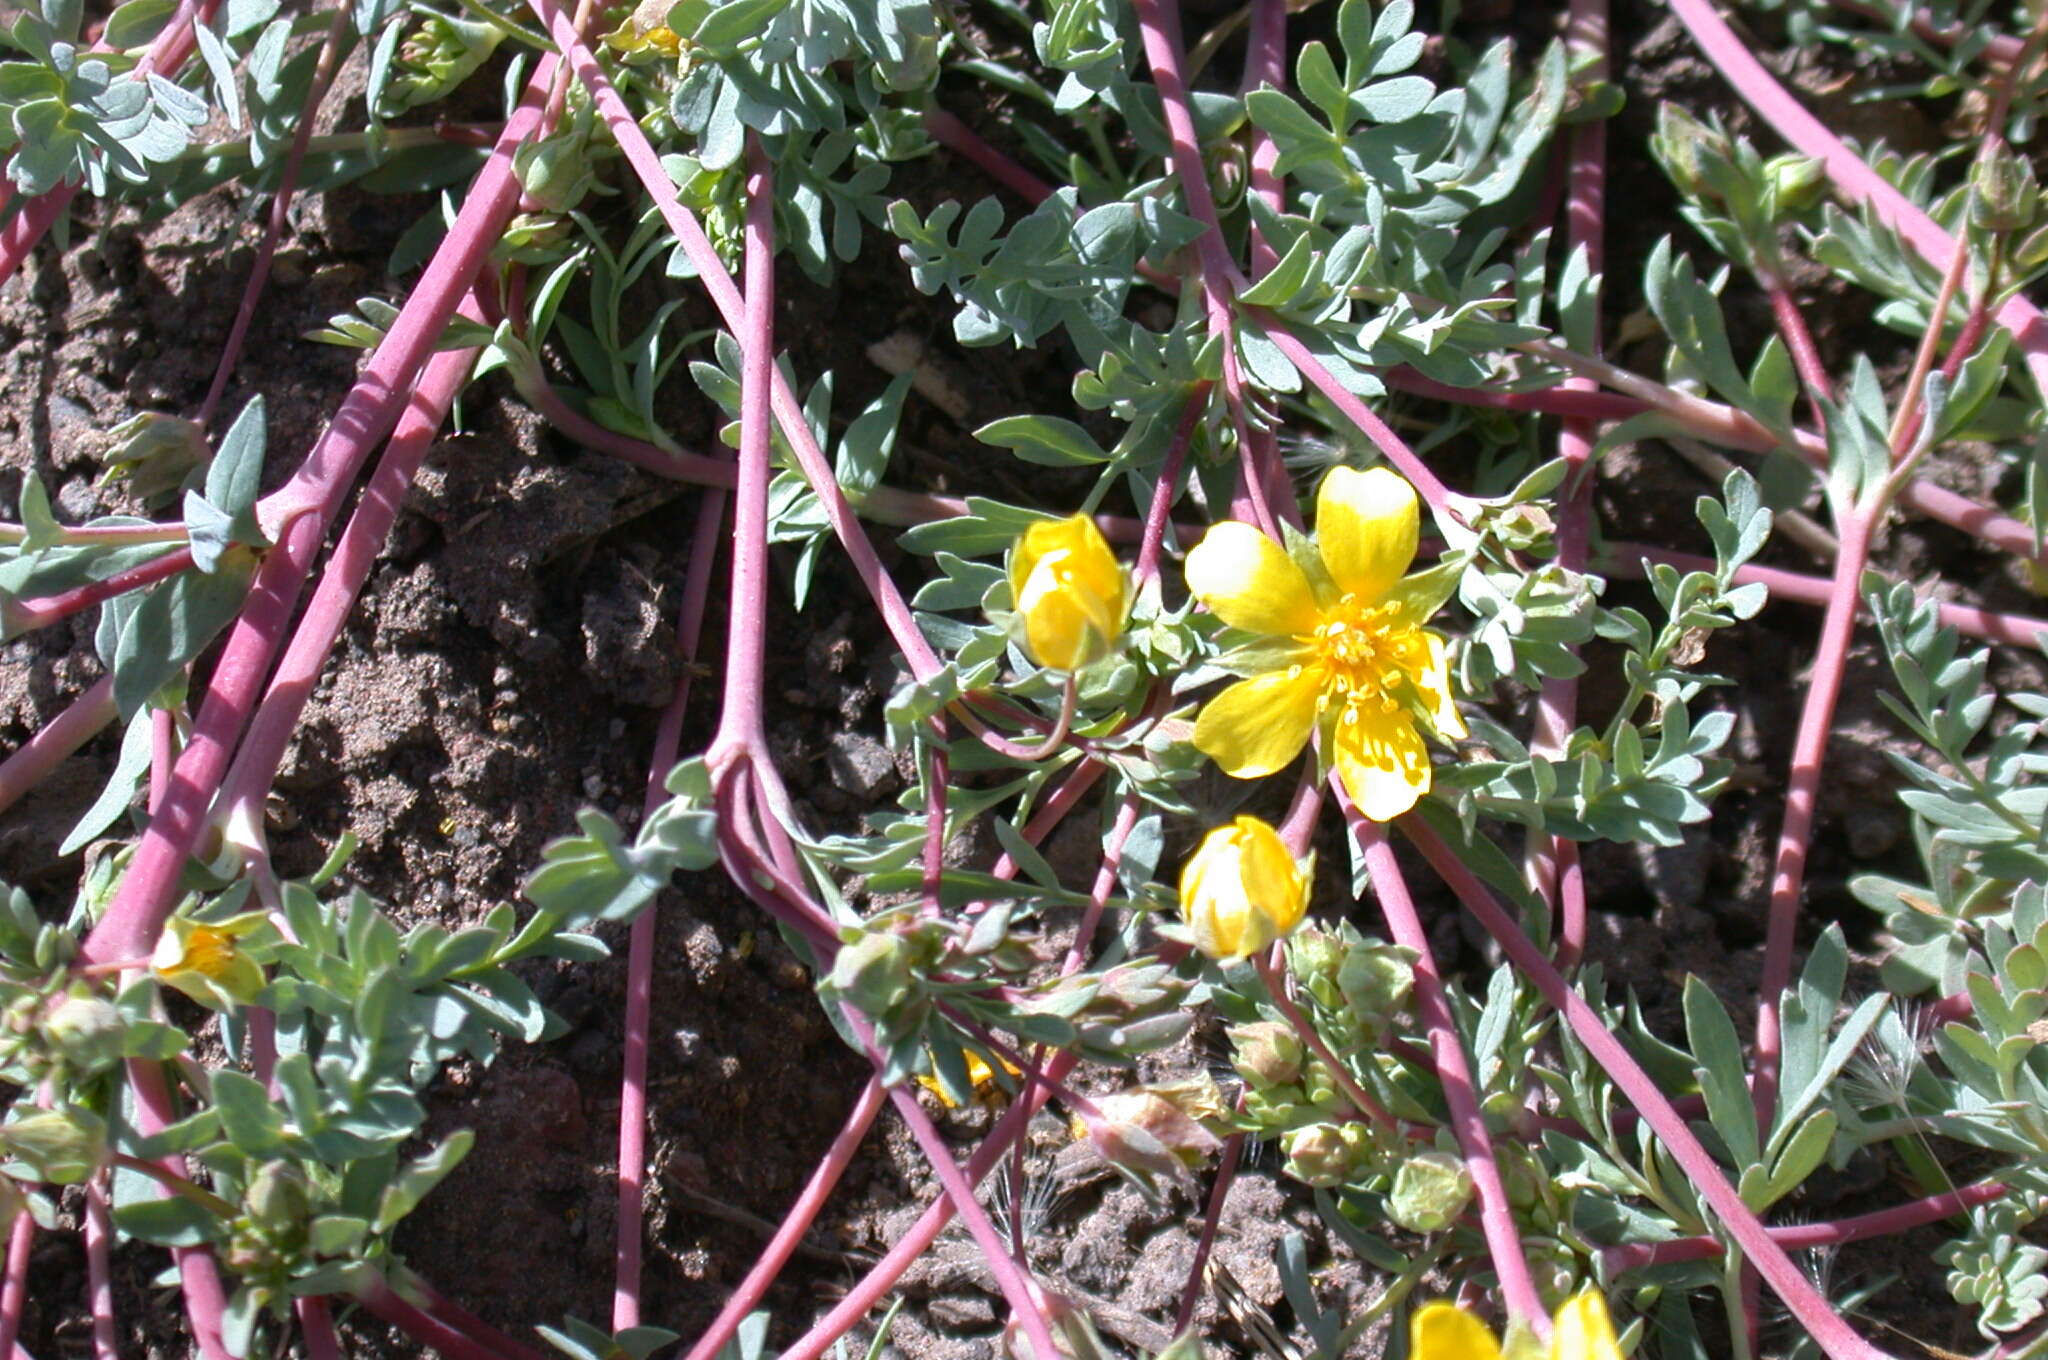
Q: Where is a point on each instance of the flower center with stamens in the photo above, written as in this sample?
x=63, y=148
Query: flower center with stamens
x=1362, y=651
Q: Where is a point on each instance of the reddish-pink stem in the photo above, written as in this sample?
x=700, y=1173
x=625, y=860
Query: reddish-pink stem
x=205, y=1300
x=1433, y=1009
x=1809, y=750
x=640, y=945
x=962, y=140
x=316, y=1328
x=305, y=506
x=1850, y=174
x=1836, y=1338
x=23, y=615
x=798, y=1222
x=14, y=1285
x=328, y=63
x=1553, y=862
x=2013, y=630
x=78, y=724
x=99, y=1278
x=1801, y=1236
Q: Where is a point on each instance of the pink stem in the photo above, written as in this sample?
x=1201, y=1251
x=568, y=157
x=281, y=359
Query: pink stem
x=328, y=63
x=1433, y=1009
x=640, y=946
x=2012, y=630
x=205, y=1300
x=1836, y=1338
x=99, y=1281
x=445, y=1338
x=1553, y=862
x=801, y=1215
x=1879, y=1223
x=78, y=724
x=962, y=140
x=23, y=615
x=915, y=1242
x=717, y=281
x=355, y=554
x=14, y=1285
x=316, y=1328
x=1851, y=176
x=300, y=512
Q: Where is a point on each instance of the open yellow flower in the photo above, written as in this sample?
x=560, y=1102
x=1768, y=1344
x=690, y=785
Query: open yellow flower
x=1241, y=890
x=1580, y=1330
x=1343, y=652
x=205, y=961
x=1069, y=591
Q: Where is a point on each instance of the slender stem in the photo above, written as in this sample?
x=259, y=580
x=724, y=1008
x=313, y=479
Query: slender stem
x=798, y=1222
x=99, y=1278
x=21, y=616
x=640, y=944
x=1276, y=983
x=1835, y=1337
x=1433, y=1009
x=14, y=1285
x=1809, y=750
x=1850, y=174
x=2013, y=630
x=1878, y=1223
x=1212, y=1219
x=1127, y=810
x=56, y=741
x=297, y=518
x=1054, y=739
x=205, y=1299
x=339, y=38
x=816, y=468
x=249, y=777
x=382, y=1301
x=316, y=1327
x=1553, y=861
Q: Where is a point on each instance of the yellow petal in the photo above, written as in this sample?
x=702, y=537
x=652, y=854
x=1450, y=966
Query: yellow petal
x=1582, y=1330
x=1249, y=581
x=1069, y=590
x=1443, y=1331
x=1433, y=680
x=1258, y=725
x=1382, y=761
x=1367, y=524
x=1241, y=890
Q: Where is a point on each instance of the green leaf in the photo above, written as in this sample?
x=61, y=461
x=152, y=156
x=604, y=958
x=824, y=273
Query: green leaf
x=416, y=1178
x=1721, y=1071
x=171, y=625
x=1285, y=279
x=247, y=1117
x=169, y=1222
x=113, y=800
x=1043, y=439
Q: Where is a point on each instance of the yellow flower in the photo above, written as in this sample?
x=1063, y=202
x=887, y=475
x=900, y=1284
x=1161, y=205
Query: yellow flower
x=1069, y=592
x=1580, y=1330
x=1343, y=652
x=203, y=960
x=988, y=1093
x=1241, y=890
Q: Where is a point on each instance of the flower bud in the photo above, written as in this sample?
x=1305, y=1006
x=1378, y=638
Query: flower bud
x=1268, y=1054
x=156, y=453
x=277, y=1200
x=2004, y=195
x=1376, y=978
x=1693, y=154
x=1314, y=957
x=1796, y=182
x=873, y=972
x=1430, y=1190
x=86, y=1030
x=1328, y=1155
x=1241, y=890
x=63, y=1145
x=1069, y=592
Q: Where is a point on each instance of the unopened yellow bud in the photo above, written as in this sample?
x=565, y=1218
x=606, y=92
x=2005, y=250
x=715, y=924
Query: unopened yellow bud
x=1241, y=890
x=1069, y=591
